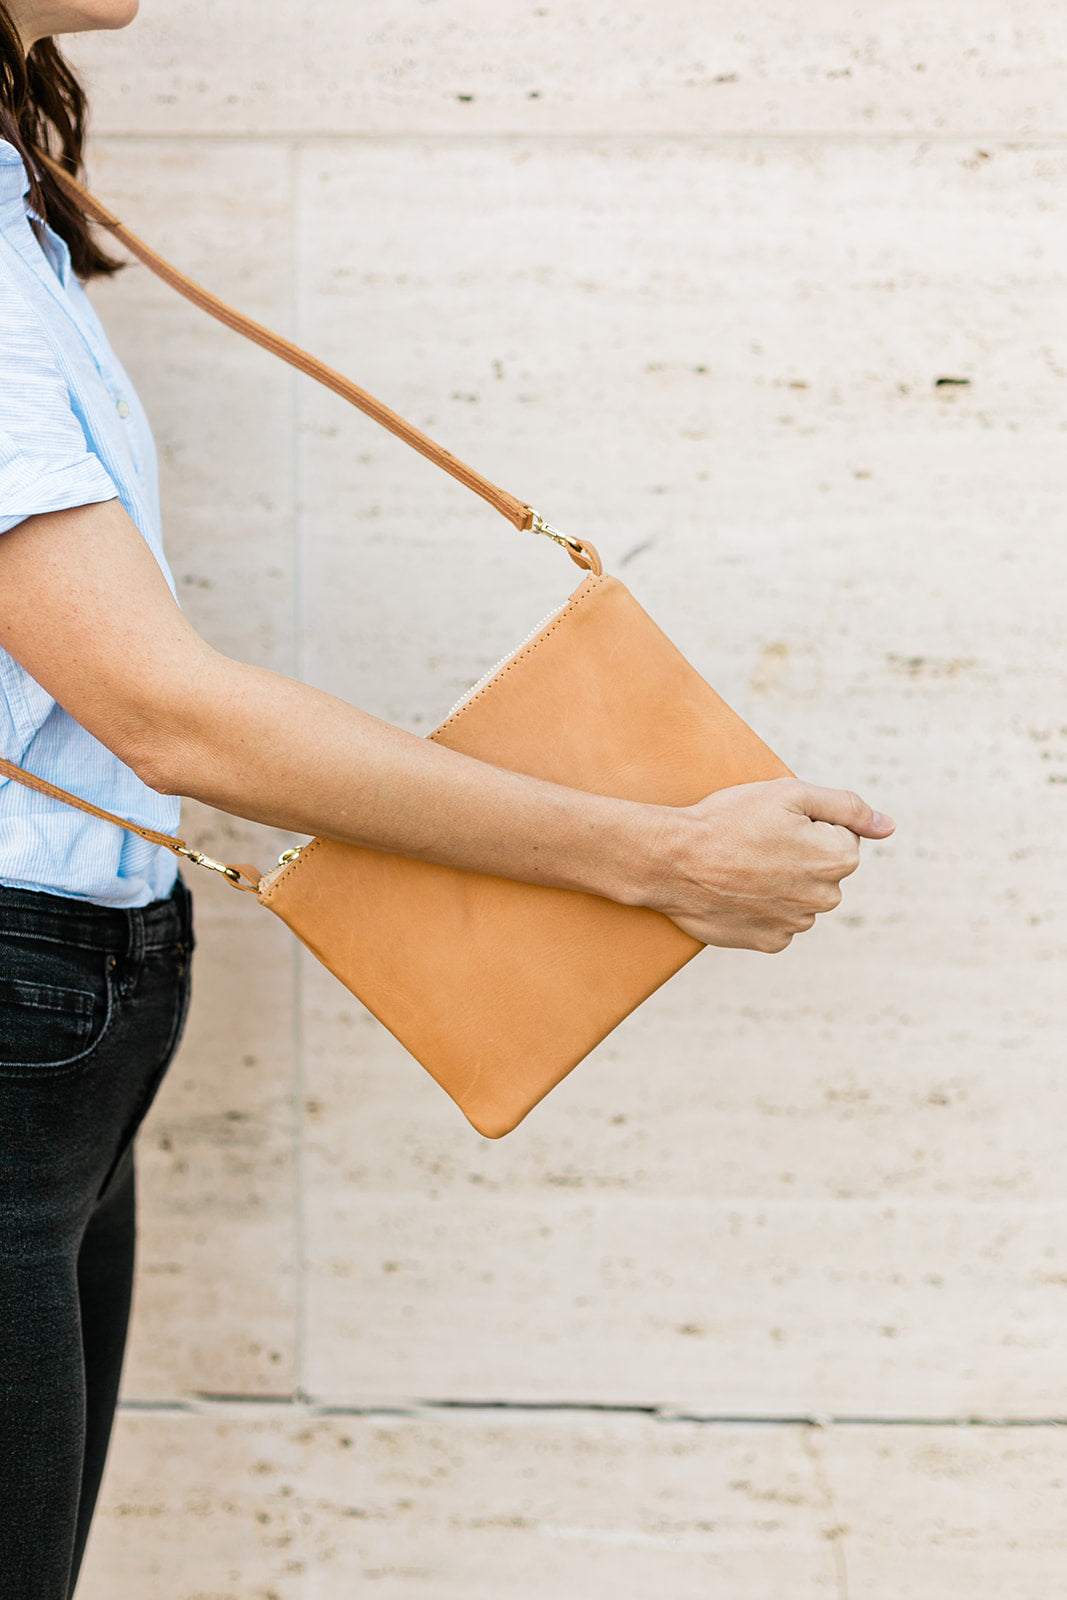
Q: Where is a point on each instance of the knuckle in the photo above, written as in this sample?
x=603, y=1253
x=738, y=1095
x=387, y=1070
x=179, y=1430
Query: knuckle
x=787, y=790
x=850, y=854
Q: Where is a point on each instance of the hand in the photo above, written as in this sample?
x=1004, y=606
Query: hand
x=751, y=866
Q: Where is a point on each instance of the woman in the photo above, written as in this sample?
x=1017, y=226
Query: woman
x=108, y=692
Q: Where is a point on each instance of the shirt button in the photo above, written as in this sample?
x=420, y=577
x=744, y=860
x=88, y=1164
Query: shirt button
x=123, y=409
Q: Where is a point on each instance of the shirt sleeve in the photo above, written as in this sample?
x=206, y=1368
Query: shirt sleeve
x=45, y=464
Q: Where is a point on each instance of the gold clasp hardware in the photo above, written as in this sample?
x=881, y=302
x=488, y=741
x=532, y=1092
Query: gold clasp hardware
x=289, y=855
x=213, y=866
x=534, y=522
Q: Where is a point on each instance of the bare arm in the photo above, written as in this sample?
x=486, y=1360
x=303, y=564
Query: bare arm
x=84, y=608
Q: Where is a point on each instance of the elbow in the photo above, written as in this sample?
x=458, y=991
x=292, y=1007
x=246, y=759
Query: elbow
x=166, y=729
x=158, y=774
x=155, y=756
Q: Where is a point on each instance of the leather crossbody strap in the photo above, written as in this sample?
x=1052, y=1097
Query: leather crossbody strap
x=523, y=516
x=516, y=511
x=166, y=841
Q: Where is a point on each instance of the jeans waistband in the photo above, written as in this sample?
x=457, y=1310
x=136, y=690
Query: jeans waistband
x=78, y=922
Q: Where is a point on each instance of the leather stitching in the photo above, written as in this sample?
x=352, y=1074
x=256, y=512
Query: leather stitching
x=588, y=588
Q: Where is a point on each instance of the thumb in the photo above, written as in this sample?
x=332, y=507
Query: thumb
x=845, y=809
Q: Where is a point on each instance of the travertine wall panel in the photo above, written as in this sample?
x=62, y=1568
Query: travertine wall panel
x=476, y=66
x=536, y=1508
x=849, y=552
x=463, y=1507
x=732, y=1083
x=761, y=1308
x=765, y=1208
x=222, y=411
x=731, y=364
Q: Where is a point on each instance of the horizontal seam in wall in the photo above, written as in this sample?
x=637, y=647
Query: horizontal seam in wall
x=309, y=1407
x=1002, y=138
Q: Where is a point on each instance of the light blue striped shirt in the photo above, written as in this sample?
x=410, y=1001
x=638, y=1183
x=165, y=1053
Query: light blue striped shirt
x=72, y=432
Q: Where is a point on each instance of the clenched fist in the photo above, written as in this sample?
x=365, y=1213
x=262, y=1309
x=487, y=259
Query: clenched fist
x=750, y=867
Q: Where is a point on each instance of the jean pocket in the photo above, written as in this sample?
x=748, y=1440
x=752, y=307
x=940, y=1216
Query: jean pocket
x=46, y=1030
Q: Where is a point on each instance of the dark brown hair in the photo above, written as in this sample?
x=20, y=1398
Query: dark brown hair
x=43, y=108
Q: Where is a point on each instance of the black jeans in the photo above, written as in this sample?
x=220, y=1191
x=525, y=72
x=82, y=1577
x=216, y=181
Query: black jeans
x=92, y=1003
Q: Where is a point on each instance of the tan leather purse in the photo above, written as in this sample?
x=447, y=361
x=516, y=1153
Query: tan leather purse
x=500, y=988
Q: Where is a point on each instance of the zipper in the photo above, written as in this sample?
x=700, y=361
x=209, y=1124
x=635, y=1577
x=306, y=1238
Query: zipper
x=284, y=860
x=487, y=677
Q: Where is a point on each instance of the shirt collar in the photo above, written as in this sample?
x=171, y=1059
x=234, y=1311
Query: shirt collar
x=14, y=187
x=14, y=179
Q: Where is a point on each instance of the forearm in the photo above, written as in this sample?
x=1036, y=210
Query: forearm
x=275, y=751
x=86, y=610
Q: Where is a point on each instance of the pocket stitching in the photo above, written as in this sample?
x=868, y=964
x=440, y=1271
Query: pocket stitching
x=62, y=1068
x=20, y=991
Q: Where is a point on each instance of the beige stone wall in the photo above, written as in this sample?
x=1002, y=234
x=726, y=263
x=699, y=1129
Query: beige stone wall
x=688, y=282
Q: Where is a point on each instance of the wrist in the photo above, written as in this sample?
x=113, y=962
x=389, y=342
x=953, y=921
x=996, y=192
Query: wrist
x=646, y=860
